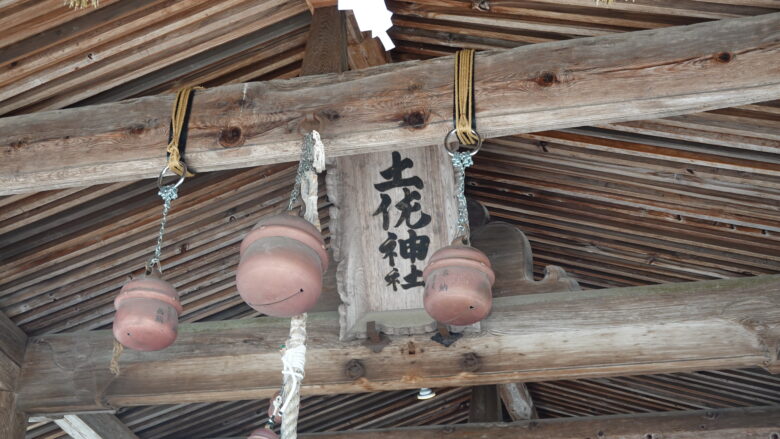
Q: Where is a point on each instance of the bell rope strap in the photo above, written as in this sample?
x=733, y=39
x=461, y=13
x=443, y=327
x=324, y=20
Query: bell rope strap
x=179, y=117
x=466, y=133
x=294, y=353
x=465, y=123
x=115, y=354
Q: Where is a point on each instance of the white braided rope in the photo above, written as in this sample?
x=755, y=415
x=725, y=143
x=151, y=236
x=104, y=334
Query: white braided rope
x=294, y=361
x=294, y=356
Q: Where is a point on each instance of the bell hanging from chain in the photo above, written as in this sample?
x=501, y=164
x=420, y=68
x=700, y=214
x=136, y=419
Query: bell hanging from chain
x=283, y=258
x=282, y=262
x=148, y=308
x=147, y=314
x=459, y=278
x=458, y=285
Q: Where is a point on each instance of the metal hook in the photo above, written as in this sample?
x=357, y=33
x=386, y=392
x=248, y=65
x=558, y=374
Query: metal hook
x=181, y=178
x=452, y=152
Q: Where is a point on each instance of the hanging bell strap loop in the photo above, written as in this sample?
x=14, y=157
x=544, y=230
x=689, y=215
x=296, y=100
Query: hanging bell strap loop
x=178, y=136
x=466, y=132
x=463, y=108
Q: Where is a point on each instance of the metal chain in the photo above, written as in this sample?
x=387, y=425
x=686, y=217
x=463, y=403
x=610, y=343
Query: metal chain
x=168, y=193
x=461, y=161
x=304, y=165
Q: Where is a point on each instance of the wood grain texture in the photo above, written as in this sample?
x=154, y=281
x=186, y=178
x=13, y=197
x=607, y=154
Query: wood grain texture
x=749, y=423
x=326, y=45
x=357, y=235
x=517, y=401
x=94, y=426
x=12, y=346
x=512, y=259
x=13, y=423
x=485, y=405
x=534, y=337
x=649, y=74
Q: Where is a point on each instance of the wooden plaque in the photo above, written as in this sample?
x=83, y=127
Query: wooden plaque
x=391, y=211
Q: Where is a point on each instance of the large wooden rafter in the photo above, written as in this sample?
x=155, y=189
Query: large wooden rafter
x=638, y=75
x=742, y=423
x=726, y=324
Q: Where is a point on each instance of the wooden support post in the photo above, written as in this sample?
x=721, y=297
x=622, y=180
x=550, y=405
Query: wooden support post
x=649, y=74
x=13, y=423
x=728, y=323
x=485, y=404
x=326, y=47
x=740, y=423
x=517, y=401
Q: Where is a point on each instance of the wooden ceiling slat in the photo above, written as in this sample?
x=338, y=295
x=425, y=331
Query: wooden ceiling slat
x=203, y=68
x=142, y=52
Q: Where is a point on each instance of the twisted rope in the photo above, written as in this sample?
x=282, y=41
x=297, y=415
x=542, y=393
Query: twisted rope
x=178, y=117
x=465, y=123
x=115, y=354
x=294, y=354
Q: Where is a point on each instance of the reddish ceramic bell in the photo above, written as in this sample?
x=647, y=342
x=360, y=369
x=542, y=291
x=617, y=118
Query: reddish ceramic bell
x=147, y=314
x=263, y=433
x=458, y=282
x=282, y=262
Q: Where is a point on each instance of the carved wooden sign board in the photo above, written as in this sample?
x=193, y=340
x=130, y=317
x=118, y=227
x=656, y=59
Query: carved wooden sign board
x=391, y=211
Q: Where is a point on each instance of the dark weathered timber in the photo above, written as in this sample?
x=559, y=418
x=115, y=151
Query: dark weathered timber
x=326, y=45
x=13, y=423
x=742, y=423
x=12, y=345
x=485, y=404
x=727, y=324
x=648, y=74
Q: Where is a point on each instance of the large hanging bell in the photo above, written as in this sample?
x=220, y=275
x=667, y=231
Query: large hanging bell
x=263, y=433
x=282, y=262
x=458, y=282
x=147, y=314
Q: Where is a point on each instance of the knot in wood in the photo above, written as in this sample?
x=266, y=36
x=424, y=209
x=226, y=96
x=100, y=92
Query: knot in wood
x=354, y=369
x=724, y=57
x=470, y=362
x=547, y=79
x=415, y=119
x=231, y=137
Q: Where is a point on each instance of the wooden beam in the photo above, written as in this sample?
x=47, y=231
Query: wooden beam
x=326, y=45
x=517, y=401
x=94, y=426
x=13, y=423
x=740, y=423
x=726, y=324
x=649, y=74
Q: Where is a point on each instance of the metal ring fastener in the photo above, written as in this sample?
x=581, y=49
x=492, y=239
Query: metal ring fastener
x=452, y=152
x=166, y=169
